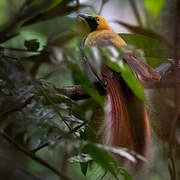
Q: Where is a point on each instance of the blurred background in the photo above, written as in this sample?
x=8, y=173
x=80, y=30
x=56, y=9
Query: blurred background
x=44, y=127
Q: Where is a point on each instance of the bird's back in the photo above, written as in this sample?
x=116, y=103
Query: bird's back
x=100, y=38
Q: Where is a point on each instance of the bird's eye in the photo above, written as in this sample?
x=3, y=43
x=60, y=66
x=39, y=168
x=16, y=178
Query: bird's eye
x=96, y=18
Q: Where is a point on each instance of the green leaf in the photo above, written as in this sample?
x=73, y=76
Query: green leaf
x=128, y=76
x=125, y=174
x=144, y=31
x=81, y=78
x=142, y=42
x=87, y=134
x=54, y=4
x=94, y=57
x=101, y=157
x=55, y=9
x=151, y=47
x=154, y=6
x=84, y=167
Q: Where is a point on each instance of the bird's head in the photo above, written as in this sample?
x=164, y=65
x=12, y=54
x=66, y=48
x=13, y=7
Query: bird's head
x=95, y=22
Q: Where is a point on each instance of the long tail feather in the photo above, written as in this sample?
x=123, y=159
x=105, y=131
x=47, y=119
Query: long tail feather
x=118, y=131
x=127, y=123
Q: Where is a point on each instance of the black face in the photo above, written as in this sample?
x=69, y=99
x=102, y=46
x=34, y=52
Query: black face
x=92, y=22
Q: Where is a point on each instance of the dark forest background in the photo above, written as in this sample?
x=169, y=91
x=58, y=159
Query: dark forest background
x=48, y=107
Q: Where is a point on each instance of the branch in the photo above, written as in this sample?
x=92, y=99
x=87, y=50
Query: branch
x=50, y=100
x=76, y=92
x=27, y=11
x=32, y=156
x=78, y=5
x=103, y=2
x=136, y=13
x=70, y=132
x=18, y=49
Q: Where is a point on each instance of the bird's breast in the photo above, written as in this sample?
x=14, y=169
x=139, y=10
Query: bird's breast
x=100, y=38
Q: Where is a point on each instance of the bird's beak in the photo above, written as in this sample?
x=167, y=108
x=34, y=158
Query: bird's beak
x=84, y=17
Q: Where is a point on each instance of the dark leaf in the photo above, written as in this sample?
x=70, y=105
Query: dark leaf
x=32, y=45
x=20, y=100
x=55, y=11
x=25, y=13
x=84, y=167
x=54, y=4
x=125, y=174
x=81, y=78
x=88, y=134
x=143, y=31
x=150, y=46
x=102, y=157
x=32, y=12
x=6, y=37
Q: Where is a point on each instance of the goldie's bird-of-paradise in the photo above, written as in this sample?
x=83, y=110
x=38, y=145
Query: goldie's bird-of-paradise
x=126, y=124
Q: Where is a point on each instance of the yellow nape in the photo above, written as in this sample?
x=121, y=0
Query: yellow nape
x=102, y=23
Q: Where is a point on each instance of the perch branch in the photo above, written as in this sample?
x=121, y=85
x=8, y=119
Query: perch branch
x=32, y=156
x=76, y=92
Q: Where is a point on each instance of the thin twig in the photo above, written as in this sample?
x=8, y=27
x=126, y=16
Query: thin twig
x=78, y=5
x=40, y=147
x=10, y=57
x=70, y=132
x=32, y=156
x=18, y=49
x=136, y=13
x=171, y=166
x=17, y=167
x=54, y=106
x=102, y=177
x=103, y=2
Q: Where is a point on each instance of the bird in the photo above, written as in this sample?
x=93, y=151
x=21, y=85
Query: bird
x=126, y=123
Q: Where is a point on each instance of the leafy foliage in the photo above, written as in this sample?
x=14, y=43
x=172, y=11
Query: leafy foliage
x=128, y=76
x=154, y=9
x=125, y=174
x=148, y=48
x=48, y=105
x=100, y=156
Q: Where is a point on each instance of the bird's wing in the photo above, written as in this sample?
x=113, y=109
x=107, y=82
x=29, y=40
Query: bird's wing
x=141, y=70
